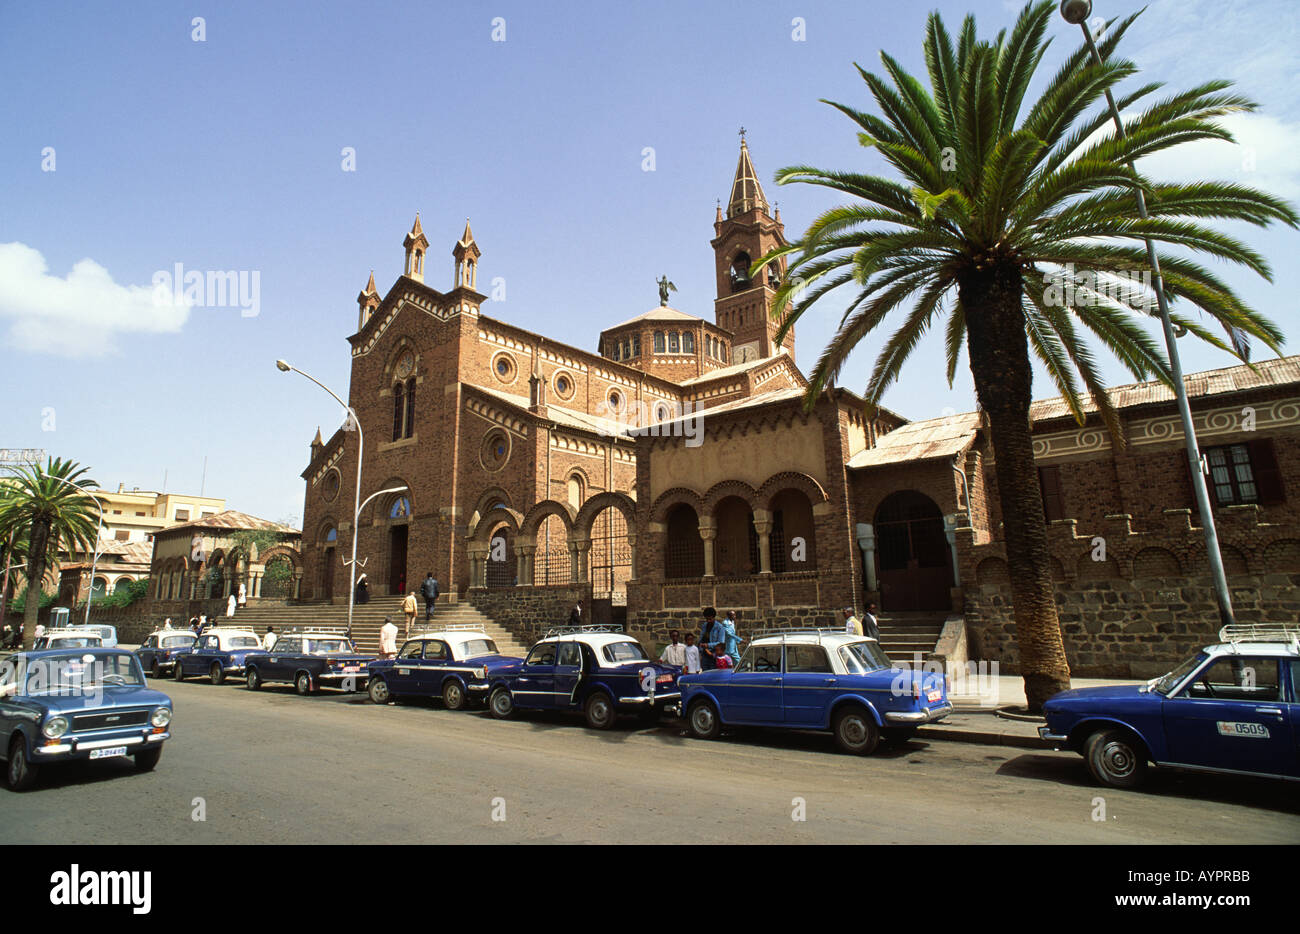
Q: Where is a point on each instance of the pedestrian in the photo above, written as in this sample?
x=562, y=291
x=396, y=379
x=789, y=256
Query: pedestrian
x=39, y=631
x=721, y=659
x=430, y=590
x=730, y=636
x=852, y=625
x=674, y=652
x=691, y=655
x=230, y=605
x=388, y=639
x=575, y=615
x=363, y=590
x=194, y=625
x=409, y=607
x=711, y=635
x=871, y=623
x=243, y=595
x=167, y=623
x=270, y=639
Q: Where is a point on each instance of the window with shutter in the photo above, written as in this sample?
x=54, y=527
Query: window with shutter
x=410, y=407
x=399, y=400
x=1268, y=476
x=1049, y=482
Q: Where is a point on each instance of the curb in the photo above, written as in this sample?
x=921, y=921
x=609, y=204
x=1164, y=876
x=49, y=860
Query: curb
x=983, y=737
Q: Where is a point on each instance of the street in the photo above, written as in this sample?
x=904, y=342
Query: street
x=272, y=767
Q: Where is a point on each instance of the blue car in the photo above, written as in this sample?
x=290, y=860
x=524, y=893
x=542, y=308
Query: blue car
x=816, y=680
x=1234, y=707
x=309, y=659
x=455, y=663
x=594, y=669
x=59, y=705
x=158, y=653
x=218, y=652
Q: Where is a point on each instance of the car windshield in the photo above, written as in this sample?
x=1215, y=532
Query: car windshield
x=77, y=672
x=322, y=646
x=75, y=642
x=476, y=647
x=173, y=642
x=1170, y=681
x=862, y=657
x=618, y=652
x=243, y=642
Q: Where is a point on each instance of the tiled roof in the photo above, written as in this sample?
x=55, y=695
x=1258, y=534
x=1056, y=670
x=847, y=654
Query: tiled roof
x=1277, y=372
x=558, y=414
x=914, y=441
x=658, y=313
x=232, y=520
x=737, y=368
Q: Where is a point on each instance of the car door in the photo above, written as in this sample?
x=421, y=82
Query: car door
x=147, y=652
x=1232, y=715
x=568, y=672
x=278, y=664
x=809, y=684
x=432, y=667
x=201, y=658
x=535, y=684
x=1292, y=708
x=403, y=677
x=752, y=691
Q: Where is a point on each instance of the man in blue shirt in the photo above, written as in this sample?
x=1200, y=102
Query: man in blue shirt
x=712, y=634
x=730, y=636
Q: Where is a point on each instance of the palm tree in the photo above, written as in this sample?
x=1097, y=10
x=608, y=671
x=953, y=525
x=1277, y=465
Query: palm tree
x=1015, y=224
x=45, y=504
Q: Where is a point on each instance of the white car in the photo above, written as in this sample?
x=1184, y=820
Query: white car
x=79, y=638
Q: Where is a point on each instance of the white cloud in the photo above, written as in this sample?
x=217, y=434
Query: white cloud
x=1263, y=156
x=81, y=315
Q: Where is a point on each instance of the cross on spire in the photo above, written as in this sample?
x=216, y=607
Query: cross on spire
x=742, y=134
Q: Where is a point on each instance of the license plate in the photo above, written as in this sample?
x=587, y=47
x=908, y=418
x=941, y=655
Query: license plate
x=934, y=696
x=351, y=669
x=108, y=752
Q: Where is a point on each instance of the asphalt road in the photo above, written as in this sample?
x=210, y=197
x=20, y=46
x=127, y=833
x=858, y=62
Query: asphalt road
x=271, y=767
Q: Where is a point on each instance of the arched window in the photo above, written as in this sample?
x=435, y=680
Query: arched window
x=793, y=543
x=399, y=409
x=688, y=342
x=740, y=272
x=736, y=544
x=410, y=407
x=684, y=549
x=674, y=342
x=659, y=341
x=575, y=491
x=401, y=508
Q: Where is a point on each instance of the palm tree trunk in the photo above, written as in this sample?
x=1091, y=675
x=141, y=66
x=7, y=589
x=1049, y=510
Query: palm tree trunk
x=39, y=540
x=999, y=361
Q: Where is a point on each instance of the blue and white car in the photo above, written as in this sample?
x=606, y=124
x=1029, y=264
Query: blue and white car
x=71, y=638
x=309, y=658
x=218, y=652
x=1233, y=707
x=455, y=663
x=158, y=652
x=595, y=669
x=815, y=679
x=59, y=705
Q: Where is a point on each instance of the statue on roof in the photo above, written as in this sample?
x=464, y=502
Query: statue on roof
x=664, y=286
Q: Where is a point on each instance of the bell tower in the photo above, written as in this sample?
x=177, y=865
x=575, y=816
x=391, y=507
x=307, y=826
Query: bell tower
x=417, y=244
x=367, y=301
x=466, y=254
x=745, y=234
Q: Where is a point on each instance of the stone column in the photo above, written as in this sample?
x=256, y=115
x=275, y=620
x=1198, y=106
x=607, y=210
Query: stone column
x=574, y=567
x=708, y=532
x=583, y=546
x=524, y=553
x=631, y=546
x=763, y=526
x=867, y=542
x=950, y=532
x=297, y=583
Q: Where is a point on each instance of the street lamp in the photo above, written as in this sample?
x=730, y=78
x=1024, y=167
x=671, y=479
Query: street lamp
x=355, y=422
x=1076, y=13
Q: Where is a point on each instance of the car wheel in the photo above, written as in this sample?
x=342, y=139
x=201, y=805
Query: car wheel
x=501, y=705
x=600, y=711
x=453, y=695
x=379, y=693
x=178, y=673
x=1114, y=758
x=145, y=761
x=21, y=772
x=251, y=679
x=703, y=720
x=855, y=731
x=154, y=672
x=302, y=683
x=215, y=674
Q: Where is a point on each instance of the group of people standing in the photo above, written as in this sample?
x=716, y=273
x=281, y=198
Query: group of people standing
x=237, y=600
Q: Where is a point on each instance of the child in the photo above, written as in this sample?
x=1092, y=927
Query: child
x=692, y=655
x=722, y=658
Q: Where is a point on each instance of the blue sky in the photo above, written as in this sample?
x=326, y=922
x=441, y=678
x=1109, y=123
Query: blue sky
x=226, y=154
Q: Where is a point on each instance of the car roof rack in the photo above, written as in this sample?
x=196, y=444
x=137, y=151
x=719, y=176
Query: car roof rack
x=579, y=630
x=450, y=627
x=1261, y=632
x=800, y=631
x=315, y=630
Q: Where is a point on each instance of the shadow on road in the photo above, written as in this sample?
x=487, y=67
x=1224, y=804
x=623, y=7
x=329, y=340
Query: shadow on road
x=1242, y=791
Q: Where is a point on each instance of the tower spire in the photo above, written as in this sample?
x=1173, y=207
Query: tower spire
x=746, y=192
x=416, y=243
x=466, y=253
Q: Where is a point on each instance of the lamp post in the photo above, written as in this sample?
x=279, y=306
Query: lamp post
x=285, y=367
x=1076, y=13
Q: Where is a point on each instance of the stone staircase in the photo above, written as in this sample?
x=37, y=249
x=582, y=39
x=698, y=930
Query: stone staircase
x=904, y=635
x=367, y=618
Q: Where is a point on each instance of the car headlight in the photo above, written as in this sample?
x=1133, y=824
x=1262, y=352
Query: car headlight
x=55, y=727
x=479, y=673
x=161, y=717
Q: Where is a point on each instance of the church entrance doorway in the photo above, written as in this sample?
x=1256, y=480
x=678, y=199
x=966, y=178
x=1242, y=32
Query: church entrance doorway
x=915, y=570
x=397, y=539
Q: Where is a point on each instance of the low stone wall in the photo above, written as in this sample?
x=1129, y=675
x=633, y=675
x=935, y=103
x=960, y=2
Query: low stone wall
x=1138, y=628
x=527, y=612
x=659, y=622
